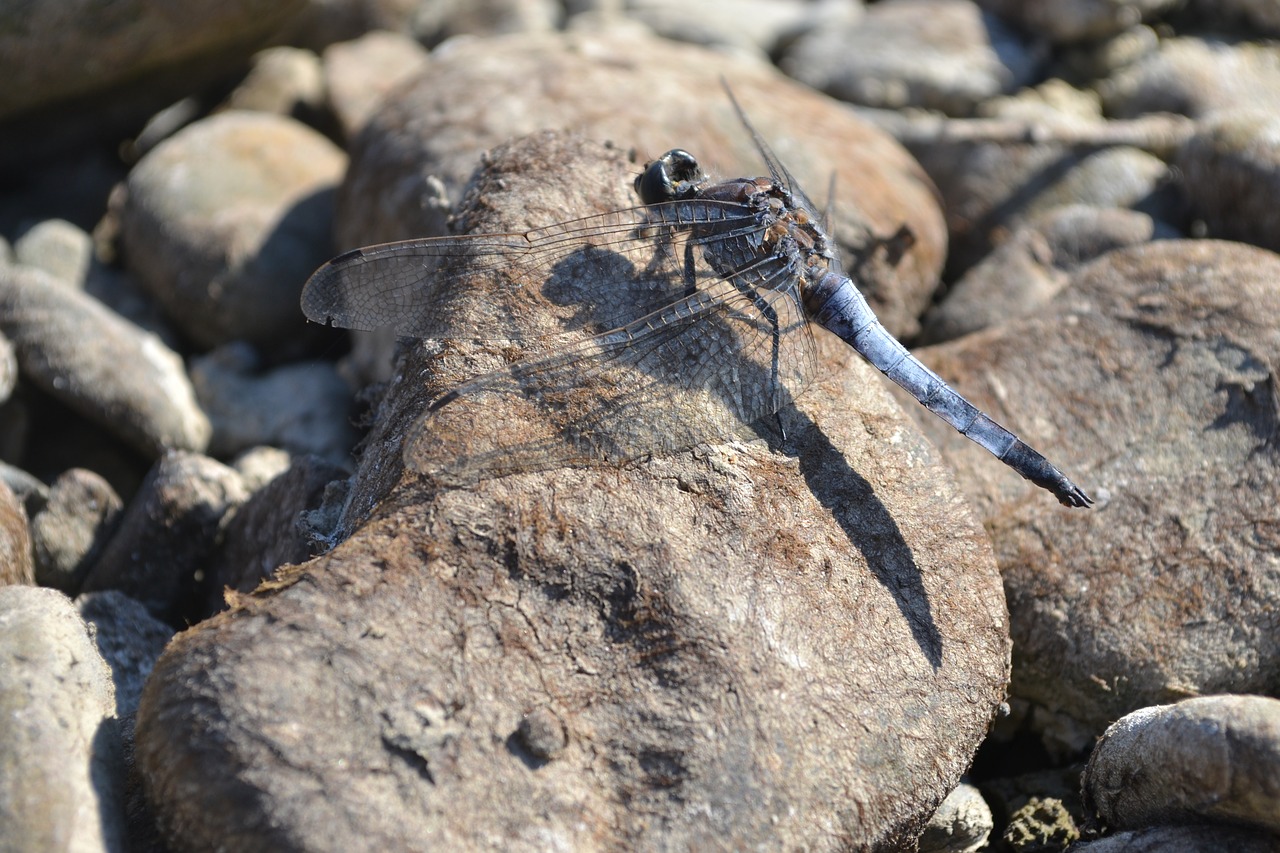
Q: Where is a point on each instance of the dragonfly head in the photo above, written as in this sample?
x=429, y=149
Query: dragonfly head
x=673, y=176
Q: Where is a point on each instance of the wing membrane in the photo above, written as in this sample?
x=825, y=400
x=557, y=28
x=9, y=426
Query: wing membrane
x=419, y=287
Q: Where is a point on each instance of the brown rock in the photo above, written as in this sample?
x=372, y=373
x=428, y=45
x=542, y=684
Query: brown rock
x=797, y=643
x=1151, y=379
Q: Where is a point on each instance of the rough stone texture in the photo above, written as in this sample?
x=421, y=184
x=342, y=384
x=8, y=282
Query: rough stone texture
x=942, y=55
x=73, y=528
x=223, y=221
x=414, y=156
x=1026, y=271
x=168, y=535
x=1231, y=171
x=16, y=563
x=60, y=762
x=1151, y=380
x=790, y=643
x=746, y=26
x=72, y=348
x=1210, y=758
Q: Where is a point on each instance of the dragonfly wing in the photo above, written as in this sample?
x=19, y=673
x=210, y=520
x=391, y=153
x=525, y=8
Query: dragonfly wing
x=442, y=287
x=696, y=370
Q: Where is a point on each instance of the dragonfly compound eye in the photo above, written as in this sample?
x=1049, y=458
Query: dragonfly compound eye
x=672, y=176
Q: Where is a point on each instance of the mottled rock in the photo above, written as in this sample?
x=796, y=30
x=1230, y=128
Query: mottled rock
x=72, y=347
x=16, y=563
x=1076, y=20
x=358, y=74
x=1041, y=826
x=223, y=222
x=1231, y=172
x=168, y=535
x=73, y=528
x=961, y=824
x=1150, y=380
x=303, y=407
x=1210, y=758
x=944, y=55
x=264, y=534
x=60, y=763
x=1196, y=77
x=700, y=704
x=414, y=156
x=1033, y=265
x=31, y=491
x=129, y=639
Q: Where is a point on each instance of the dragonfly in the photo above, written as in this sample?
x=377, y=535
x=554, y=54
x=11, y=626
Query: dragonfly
x=720, y=283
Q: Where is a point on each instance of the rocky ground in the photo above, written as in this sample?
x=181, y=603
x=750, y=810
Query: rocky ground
x=233, y=618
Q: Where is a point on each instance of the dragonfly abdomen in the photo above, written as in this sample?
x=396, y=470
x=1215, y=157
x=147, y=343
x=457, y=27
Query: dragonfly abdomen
x=835, y=303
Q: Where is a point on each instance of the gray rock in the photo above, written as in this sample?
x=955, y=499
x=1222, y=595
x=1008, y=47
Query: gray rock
x=746, y=26
x=286, y=81
x=224, y=221
x=961, y=824
x=722, y=674
x=358, y=74
x=303, y=407
x=992, y=187
x=1033, y=265
x=168, y=535
x=16, y=563
x=1210, y=758
x=258, y=466
x=8, y=368
x=1256, y=17
x=1202, y=838
x=70, y=532
x=1150, y=381
x=1196, y=77
x=129, y=639
x=416, y=154
x=55, y=52
x=264, y=533
x=1064, y=21
x=72, y=347
x=945, y=55
x=59, y=248
x=61, y=769
x=31, y=491
x=1231, y=171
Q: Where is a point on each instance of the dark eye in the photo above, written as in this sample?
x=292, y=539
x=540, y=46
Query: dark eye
x=675, y=174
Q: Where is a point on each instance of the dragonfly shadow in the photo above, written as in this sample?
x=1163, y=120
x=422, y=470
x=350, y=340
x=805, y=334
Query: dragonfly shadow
x=868, y=525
